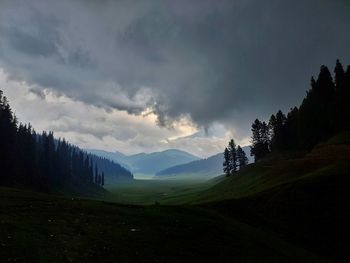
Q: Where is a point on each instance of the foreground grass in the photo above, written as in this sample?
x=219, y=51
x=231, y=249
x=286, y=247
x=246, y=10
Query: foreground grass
x=42, y=228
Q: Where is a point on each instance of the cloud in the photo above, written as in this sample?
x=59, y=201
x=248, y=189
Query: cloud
x=209, y=61
x=90, y=126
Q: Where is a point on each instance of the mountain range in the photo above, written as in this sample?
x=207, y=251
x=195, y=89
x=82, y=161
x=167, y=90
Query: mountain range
x=148, y=163
x=169, y=163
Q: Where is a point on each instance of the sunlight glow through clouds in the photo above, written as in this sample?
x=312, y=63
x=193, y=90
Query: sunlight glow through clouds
x=95, y=127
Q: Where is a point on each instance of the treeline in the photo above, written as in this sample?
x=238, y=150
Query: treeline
x=114, y=172
x=234, y=158
x=324, y=112
x=41, y=162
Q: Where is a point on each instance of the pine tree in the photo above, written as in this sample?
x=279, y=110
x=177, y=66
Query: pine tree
x=8, y=128
x=226, y=163
x=339, y=75
x=325, y=107
x=260, y=140
x=233, y=156
x=291, y=129
x=342, y=86
x=316, y=116
x=346, y=95
x=241, y=158
x=277, y=131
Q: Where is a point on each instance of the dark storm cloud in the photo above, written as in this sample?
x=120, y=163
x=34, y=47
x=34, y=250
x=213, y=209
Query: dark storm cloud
x=215, y=61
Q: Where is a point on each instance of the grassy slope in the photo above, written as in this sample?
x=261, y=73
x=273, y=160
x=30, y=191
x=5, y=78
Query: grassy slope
x=305, y=200
x=44, y=228
x=311, y=210
x=326, y=159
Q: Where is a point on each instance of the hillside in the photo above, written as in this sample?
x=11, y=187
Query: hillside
x=305, y=199
x=326, y=158
x=204, y=168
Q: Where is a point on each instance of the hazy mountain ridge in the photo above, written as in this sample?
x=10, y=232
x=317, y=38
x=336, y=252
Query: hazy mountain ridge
x=148, y=163
x=209, y=167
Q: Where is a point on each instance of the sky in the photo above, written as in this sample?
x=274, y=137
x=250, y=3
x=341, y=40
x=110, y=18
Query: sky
x=143, y=76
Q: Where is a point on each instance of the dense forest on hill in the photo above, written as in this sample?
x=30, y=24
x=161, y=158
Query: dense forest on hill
x=323, y=113
x=41, y=162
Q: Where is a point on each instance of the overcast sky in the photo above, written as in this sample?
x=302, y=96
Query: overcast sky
x=139, y=76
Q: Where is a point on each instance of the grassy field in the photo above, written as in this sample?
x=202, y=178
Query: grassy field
x=149, y=192
x=44, y=228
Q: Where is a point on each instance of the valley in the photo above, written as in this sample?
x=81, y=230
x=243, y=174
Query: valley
x=174, y=131
x=281, y=210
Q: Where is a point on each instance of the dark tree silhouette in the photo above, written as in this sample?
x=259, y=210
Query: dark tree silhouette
x=241, y=158
x=226, y=163
x=8, y=128
x=233, y=156
x=260, y=140
x=277, y=131
x=291, y=129
x=342, y=89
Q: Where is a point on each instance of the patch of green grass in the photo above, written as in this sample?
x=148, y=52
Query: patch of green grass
x=146, y=192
